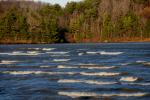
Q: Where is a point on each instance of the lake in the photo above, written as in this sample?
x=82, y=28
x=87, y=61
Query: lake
x=101, y=71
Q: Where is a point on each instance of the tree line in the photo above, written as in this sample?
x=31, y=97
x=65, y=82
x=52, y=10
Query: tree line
x=85, y=21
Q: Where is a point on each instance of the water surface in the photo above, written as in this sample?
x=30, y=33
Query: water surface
x=114, y=71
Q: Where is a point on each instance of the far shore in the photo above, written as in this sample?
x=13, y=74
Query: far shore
x=117, y=41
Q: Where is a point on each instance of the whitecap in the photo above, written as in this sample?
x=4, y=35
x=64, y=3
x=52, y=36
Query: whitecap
x=110, y=53
x=98, y=67
x=48, y=49
x=80, y=54
x=61, y=60
x=92, y=52
x=85, y=81
x=65, y=67
x=100, y=74
x=125, y=64
x=128, y=79
x=45, y=66
x=91, y=94
x=37, y=72
x=140, y=61
x=4, y=53
x=29, y=53
x=57, y=53
x=34, y=48
x=147, y=63
x=7, y=62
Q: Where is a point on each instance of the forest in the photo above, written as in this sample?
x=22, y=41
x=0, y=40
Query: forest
x=77, y=22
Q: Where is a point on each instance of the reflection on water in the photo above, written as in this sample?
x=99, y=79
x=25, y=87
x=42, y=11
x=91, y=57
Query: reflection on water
x=75, y=71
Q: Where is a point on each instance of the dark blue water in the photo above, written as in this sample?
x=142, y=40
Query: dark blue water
x=75, y=72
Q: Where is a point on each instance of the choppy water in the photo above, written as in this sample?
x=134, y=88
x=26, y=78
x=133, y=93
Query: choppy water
x=75, y=72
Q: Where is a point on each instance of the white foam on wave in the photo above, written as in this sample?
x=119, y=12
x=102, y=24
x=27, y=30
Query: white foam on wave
x=125, y=64
x=48, y=49
x=34, y=48
x=104, y=53
x=61, y=60
x=147, y=63
x=91, y=94
x=85, y=81
x=37, y=72
x=80, y=54
x=45, y=66
x=110, y=53
x=29, y=53
x=129, y=79
x=140, y=61
x=98, y=67
x=100, y=74
x=65, y=67
x=92, y=52
x=7, y=62
x=57, y=53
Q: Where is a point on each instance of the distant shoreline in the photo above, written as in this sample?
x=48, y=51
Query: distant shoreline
x=9, y=43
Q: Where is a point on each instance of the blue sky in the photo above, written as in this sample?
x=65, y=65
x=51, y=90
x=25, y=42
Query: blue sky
x=61, y=2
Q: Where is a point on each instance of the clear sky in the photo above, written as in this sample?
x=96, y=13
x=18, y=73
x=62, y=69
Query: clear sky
x=61, y=2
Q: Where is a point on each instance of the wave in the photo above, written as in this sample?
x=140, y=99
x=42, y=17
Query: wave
x=33, y=48
x=90, y=64
x=129, y=79
x=91, y=94
x=140, y=61
x=85, y=81
x=104, y=53
x=100, y=74
x=57, y=53
x=125, y=64
x=146, y=63
x=98, y=67
x=7, y=62
x=65, y=67
x=37, y=72
x=29, y=53
x=92, y=52
x=45, y=66
x=80, y=54
x=143, y=62
x=61, y=60
x=60, y=55
x=48, y=49
x=110, y=53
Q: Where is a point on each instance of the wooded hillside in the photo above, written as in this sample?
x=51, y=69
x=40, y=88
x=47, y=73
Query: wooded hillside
x=85, y=21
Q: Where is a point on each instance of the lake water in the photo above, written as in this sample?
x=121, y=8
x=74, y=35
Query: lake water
x=113, y=71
